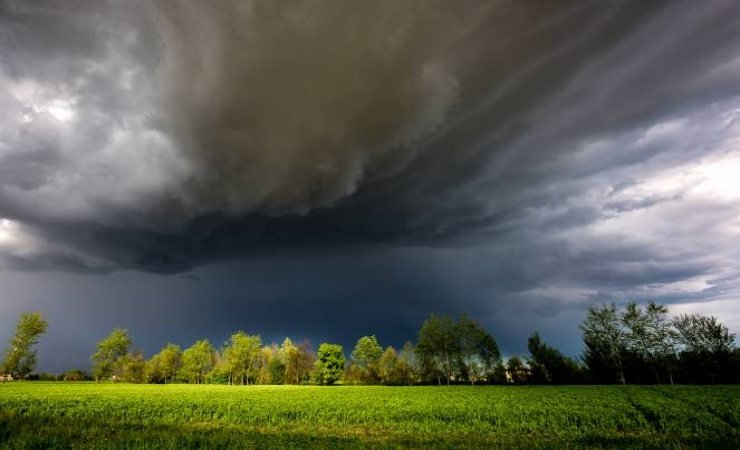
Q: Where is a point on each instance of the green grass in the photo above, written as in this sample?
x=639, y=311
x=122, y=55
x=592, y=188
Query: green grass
x=87, y=415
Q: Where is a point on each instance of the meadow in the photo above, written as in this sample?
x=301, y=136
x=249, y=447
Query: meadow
x=89, y=415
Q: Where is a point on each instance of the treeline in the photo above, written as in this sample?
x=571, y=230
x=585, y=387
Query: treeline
x=643, y=345
x=447, y=351
x=638, y=345
x=631, y=345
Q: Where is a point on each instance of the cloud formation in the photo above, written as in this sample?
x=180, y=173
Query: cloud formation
x=576, y=148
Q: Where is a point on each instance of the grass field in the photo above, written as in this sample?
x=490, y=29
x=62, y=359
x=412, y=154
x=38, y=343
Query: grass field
x=44, y=415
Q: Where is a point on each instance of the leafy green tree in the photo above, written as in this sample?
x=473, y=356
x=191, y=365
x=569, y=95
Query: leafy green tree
x=478, y=351
x=163, y=367
x=170, y=359
x=197, y=361
x=366, y=358
x=306, y=361
x=329, y=365
x=395, y=369
x=20, y=357
x=289, y=353
x=605, y=340
x=388, y=367
x=437, y=348
x=74, y=375
x=649, y=335
x=407, y=364
x=498, y=374
x=518, y=371
x=456, y=350
x=263, y=361
x=708, y=353
x=272, y=368
x=133, y=367
x=241, y=355
x=706, y=334
x=490, y=357
x=109, y=355
x=665, y=338
x=299, y=361
x=548, y=365
x=220, y=372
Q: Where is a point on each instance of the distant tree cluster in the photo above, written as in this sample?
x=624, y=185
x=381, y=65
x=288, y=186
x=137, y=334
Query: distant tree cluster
x=242, y=360
x=456, y=351
x=448, y=351
x=643, y=345
x=635, y=344
x=640, y=345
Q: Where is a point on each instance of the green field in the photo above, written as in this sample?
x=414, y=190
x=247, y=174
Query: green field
x=43, y=415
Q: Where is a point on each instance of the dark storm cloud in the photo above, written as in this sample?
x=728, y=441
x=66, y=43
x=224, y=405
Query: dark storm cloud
x=541, y=155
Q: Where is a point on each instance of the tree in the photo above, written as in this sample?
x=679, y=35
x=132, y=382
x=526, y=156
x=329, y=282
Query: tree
x=548, y=365
x=20, y=357
x=703, y=334
x=388, y=367
x=306, y=360
x=329, y=363
x=499, y=374
x=299, y=361
x=241, y=356
x=478, y=351
x=664, y=337
x=490, y=357
x=272, y=368
x=74, y=375
x=437, y=348
x=133, y=367
x=650, y=336
x=605, y=340
x=456, y=350
x=366, y=358
x=518, y=372
x=197, y=361
x=111, y=350
x=407, y=364
x=290, y=357
x=170, y=359
x=163, y=367
x=708, y=354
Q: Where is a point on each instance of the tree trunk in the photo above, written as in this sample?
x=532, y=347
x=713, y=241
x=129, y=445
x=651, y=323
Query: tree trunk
x=655, y=371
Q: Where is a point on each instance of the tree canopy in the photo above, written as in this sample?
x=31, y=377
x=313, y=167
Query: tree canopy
x=110, y=353
x=329, y=364
x=635, y=343
x=20, y=357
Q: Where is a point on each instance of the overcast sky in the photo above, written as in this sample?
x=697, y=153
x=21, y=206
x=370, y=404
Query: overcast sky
x=330, y=169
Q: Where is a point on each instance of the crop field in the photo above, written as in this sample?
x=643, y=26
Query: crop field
x=89, y=415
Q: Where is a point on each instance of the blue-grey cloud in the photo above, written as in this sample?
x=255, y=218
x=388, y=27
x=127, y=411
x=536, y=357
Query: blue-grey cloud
x=541, y=156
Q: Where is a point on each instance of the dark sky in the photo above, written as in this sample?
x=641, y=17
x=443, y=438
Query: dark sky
x=186, y=169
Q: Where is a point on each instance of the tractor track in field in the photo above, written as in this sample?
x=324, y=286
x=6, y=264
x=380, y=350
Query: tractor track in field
x=711, y=411
x=644, y=412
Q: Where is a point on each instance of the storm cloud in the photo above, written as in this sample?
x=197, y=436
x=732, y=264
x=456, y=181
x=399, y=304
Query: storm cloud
x=541, y=156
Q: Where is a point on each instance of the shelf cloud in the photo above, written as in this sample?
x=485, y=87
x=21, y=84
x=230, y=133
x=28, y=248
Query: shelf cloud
x=560, y=149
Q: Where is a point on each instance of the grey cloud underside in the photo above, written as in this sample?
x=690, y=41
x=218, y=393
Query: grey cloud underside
x=206, y=132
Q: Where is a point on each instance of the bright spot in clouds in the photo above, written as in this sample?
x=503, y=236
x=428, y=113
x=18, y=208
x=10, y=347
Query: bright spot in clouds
x=7, y=227
x=720, y=178
x=9, y=235
x=59, y=109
